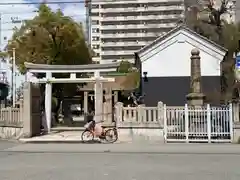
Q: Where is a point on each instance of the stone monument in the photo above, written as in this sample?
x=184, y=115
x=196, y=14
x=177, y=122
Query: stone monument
x=195, y=97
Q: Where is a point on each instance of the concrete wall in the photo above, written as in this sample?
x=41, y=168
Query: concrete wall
x=31, y=107
x=10, y=132
x=236, y=133
x=134, y=134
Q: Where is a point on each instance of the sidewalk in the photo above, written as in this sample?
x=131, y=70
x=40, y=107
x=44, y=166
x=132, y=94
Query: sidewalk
x=55, y=137
x=61, y=137
x=133, y=148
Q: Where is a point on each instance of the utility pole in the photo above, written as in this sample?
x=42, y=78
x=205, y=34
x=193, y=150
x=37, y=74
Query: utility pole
x=13, y=78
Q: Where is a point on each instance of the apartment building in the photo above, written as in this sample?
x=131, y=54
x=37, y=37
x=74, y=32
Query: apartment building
x=119, y=28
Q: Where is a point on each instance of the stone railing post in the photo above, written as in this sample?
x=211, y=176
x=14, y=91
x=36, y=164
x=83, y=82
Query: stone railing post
x=118, y=113
x=141, y=114
x=160, y=113
x=21, y=111
x=235, y=106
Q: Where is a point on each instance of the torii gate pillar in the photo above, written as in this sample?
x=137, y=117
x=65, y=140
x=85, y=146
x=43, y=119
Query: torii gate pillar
x=72, y=70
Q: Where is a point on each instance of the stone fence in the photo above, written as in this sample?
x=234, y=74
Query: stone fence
x=11, y=122
x=154, y=123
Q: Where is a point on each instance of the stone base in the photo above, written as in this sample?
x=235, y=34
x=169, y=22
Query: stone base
x=195, y=99
x=236, y=133
x=10, y=132
x=141, y=135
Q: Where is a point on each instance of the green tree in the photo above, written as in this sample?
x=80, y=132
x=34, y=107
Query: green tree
x=50, y=38
x=209, y=22
x=132, y=74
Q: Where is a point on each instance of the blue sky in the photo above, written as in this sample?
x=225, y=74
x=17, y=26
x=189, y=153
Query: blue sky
x=24, y=12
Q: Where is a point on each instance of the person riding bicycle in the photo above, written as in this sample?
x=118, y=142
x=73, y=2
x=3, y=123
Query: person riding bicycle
x=91, y=124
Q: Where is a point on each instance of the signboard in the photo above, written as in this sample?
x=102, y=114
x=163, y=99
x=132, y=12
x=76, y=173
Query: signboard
x=238, y=62
x=237, y=68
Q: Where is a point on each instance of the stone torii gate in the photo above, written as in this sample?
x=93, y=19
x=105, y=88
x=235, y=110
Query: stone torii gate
x=72, y=70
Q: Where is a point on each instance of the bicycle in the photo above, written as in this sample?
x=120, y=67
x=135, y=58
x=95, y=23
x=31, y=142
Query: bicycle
x=110, y=135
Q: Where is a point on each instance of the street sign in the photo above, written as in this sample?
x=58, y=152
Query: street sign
x=238, y=62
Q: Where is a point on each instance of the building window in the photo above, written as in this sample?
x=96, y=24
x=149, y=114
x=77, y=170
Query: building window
x=94, y=6
x=95, y=22
x=95, y=38
x=96, y=55
x=95, y=46
x=95, y=30
x=94, y=14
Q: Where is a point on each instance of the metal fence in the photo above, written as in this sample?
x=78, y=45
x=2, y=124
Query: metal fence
x=11, y=117
x=183, y=123
x=201, y=124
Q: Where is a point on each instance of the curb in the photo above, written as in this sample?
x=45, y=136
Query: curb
x=68, y=141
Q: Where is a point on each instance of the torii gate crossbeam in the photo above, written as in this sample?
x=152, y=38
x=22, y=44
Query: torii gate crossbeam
x=72, y=70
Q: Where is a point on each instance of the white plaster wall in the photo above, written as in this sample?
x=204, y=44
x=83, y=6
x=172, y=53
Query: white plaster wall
x=174, y=61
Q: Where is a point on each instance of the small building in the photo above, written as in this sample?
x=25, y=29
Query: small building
x=166, y=64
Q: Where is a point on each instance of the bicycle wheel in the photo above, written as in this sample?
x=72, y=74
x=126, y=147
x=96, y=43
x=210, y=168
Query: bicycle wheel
x=87, y=136
x=111, y=135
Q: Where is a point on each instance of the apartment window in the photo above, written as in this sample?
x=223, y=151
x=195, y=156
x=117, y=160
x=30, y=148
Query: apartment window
x=95, y=46
x=96, y=55
x=95, y=30
x=95, y=22
x=94, y=6
x=94, y=14
x=95, y=38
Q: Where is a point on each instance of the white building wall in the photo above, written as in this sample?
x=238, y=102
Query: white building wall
x=174, y=61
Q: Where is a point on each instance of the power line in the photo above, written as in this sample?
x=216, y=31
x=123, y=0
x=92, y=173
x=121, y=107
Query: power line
x=50, y=2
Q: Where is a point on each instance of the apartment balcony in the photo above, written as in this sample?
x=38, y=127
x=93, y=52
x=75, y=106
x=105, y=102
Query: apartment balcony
x=130, y=35
x=124, y=44
x=95, y=25
x=96, y=59
x=139, y=18
x=141, y=9
x=95, y=10
x=95, y=42
x=138, y=26
x=95, y=34
x=97, y=50
x=117, y=52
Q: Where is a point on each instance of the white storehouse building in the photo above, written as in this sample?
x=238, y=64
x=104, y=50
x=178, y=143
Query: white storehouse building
x=166, y=64
x=117, y=29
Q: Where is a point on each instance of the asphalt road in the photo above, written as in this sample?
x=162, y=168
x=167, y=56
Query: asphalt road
x=72, y=162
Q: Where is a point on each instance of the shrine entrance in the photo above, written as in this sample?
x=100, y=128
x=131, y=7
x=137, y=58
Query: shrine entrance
x=72, y=70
